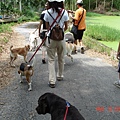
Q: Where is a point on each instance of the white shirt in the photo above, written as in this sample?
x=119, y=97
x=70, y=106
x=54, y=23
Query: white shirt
x=54, y=14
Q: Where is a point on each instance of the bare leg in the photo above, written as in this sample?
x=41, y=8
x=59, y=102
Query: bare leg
x=80, y=43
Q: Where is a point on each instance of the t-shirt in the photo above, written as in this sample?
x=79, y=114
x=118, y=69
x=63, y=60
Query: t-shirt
x=78, y=15
x=54, y=14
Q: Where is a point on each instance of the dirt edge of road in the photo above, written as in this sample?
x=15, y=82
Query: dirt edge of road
x=7, y=73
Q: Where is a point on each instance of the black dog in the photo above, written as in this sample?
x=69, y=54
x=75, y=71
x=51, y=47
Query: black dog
x=57, y=107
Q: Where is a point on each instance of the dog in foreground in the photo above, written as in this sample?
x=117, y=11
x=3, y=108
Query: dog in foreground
x=57, y=107
x=27, y=71
x=18, y=51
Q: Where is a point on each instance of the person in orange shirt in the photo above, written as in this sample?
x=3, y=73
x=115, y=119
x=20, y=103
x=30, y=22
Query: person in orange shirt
x=80, y=15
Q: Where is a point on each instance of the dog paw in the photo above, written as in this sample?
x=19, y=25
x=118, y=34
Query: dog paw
x=21, y=81
x=30, y=89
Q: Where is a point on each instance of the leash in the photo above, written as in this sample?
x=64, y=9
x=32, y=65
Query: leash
x=36, y=29
x=45, y=36
x=66, y=112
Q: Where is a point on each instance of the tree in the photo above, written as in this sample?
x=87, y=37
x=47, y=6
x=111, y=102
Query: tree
x=111, y=4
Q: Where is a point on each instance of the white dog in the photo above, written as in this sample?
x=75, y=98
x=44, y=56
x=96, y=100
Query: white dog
x=33, y=41
x=70, y=46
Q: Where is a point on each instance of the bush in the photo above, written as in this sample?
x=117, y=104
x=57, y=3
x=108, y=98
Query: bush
x=91, y=14
x=5, y=28
x=103, y=33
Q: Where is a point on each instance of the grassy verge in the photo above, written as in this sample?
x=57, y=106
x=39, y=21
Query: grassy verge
x=6, y=27
x=104, y=33
x=99, y=47
x=104, y=30
x=5, y=31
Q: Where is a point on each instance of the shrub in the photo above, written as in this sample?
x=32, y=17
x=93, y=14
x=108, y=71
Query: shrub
x=101, y=32
x=5, y=28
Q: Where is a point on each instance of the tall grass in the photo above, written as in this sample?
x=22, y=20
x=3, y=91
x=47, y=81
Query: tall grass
x=91, y=14
x=103, y=33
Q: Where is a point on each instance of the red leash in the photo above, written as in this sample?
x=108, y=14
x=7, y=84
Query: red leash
x=66, y=112
x=45, y=36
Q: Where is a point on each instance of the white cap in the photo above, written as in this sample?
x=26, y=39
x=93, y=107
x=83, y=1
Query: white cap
x=79, y=1
x=56, y=0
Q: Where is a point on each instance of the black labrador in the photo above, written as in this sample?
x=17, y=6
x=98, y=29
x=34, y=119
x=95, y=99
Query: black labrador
x=58, y=107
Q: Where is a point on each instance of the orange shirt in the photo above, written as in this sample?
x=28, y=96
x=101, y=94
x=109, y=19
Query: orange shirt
x=78, y=15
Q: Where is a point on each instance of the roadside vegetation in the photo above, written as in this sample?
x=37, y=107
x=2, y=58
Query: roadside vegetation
x=5, y=31
x=103, y=29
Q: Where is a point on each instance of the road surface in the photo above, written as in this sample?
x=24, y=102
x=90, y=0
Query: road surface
x=87, y=84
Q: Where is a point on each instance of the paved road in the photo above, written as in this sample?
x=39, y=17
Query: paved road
x=88, y=85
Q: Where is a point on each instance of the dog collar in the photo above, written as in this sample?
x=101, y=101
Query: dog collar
x=66, y=112
x=68, y=104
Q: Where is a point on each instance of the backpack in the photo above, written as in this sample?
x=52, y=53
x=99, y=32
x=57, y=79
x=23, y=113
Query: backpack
x=56, y=32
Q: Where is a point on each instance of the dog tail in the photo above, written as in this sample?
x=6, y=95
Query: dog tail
x=11, y=47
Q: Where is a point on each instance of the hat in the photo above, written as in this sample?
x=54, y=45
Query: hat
x=56, y=0
x=79, y=1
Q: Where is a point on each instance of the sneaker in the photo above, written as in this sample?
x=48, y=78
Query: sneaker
x=116, y=83
x=43, y=61
x=82, y=50
x=51, y=85
x=59, y=78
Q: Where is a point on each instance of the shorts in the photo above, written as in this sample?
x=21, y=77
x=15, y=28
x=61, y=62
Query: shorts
x=119, y=67
x=79, y=34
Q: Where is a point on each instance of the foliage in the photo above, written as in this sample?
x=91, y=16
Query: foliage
x=5, y=28
x=101, y=32
x=91, y=14
x=98, y=47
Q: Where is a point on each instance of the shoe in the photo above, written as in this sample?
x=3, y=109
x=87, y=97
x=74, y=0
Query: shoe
x=59, y=78
x=43, y=61
x=116, y=83
x=51, y=85
x=82, y=50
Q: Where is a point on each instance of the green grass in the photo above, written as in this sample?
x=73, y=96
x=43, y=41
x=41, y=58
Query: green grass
x=113, y=45
x=6, y=27
x=111, y=21
x=104, y=33
x=105, y=29
x=91, y=14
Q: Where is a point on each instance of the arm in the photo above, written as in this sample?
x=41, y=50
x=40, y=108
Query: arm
x=39, y=27
x=70, y=11
x=66, y=26
x=47, y=25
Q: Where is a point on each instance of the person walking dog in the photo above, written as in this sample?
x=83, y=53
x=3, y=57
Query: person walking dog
x=56, y=46
x=42, y=35
x=79, y=20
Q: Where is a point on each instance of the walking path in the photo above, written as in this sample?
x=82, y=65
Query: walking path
x=87, y=84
